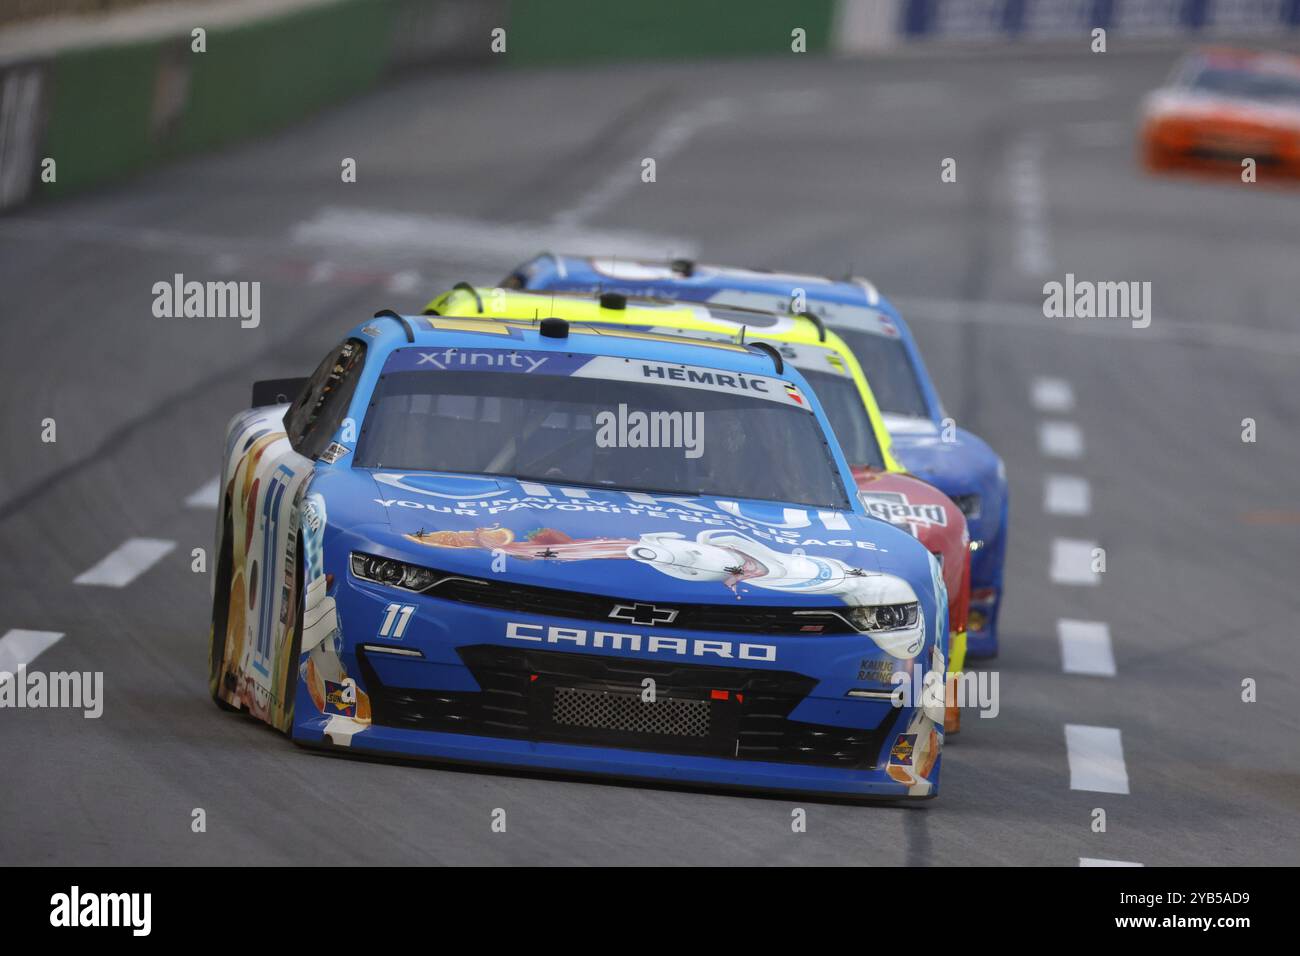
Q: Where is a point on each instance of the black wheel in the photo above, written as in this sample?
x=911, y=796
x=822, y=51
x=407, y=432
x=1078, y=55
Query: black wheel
x=290, y=690
x=221, y=610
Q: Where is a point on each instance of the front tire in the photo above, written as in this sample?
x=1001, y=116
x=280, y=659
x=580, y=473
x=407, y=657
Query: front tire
x=221, y=613
x=290, y=689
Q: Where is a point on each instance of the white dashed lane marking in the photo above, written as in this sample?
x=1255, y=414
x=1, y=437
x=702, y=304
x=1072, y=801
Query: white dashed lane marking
x=1085, y=648
x=1066, y=495
x=128, y=562
x=1060, y=440
x=207, y=496
x=19, y=647
x=1096, y=757
x=1072, y=562
x=1093, y=861
x=1052, y=395
x=1028, y=200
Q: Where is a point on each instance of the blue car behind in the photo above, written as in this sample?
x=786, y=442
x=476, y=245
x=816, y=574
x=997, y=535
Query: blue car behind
x=925, y=439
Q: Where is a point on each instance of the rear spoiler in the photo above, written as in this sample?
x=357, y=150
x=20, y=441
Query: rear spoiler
x=277, y=391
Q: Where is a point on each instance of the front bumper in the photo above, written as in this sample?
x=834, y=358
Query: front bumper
x=986, y=575
x=460, y=691
x=617, y=763
x=1219, y=144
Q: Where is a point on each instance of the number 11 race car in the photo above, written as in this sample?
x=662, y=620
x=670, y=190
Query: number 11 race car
x=594, y=551
x=827, y=364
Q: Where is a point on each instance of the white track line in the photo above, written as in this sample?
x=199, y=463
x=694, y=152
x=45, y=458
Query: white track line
x=405, y=281
x=362, y=231
x=1027, y=195
x=1066, y=495
x=206, y=496
x=1052, y=395
x=1060, y=440
x=128, y=562
x=1093, y=861
x=1072, y=562
x=1096, y=757
x=1086, y=648
x=19, y=647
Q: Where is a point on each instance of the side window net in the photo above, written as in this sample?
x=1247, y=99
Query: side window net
x=316, y=415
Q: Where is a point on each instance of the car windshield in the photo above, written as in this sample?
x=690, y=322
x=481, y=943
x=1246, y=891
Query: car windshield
x=889, y=372
x=599, y=421
x=1247, y=84
x=842, y=403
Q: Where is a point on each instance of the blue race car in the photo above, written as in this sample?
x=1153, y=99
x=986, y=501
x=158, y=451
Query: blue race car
x=594, y=551
x=925, y=440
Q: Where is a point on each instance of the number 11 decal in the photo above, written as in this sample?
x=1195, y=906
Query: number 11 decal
x=396, y=617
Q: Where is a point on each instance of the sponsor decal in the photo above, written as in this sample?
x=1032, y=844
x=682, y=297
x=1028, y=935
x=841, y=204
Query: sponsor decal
x=341, y=698
x=488, y=498
x=484, y=360
x=721, y=381
x=652, y=644
x=904, y=747
x=333, y=452
x=881, y=672
x=896, y=508
x=313, y=525
x=794, y=394
x=712, y=557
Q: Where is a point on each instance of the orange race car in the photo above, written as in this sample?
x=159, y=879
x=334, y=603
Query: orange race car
x=1222, y=107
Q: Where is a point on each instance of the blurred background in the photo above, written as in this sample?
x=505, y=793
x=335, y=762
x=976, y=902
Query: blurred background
x=144, y=140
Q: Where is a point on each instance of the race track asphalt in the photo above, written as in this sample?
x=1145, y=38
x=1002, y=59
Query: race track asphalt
x=798, y=163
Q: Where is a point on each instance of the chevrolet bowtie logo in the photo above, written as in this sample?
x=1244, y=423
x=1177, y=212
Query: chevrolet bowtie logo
x=644, y=614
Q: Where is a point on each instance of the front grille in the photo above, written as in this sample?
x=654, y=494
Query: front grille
x=730, y=618
x=1228, y=154
x=630, y=713
x=525, y=694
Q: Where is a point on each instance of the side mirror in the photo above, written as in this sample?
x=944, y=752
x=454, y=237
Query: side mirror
x=277, y=391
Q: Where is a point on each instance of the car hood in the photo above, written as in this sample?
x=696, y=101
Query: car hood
x=1192, y=105
x=699, y=549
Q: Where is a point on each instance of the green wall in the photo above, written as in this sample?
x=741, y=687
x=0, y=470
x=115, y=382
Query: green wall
x=558, y=31
x=105, y=112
